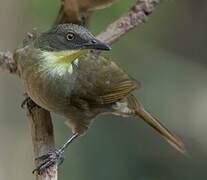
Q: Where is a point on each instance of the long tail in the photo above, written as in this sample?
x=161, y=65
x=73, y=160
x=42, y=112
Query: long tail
x=170, y=137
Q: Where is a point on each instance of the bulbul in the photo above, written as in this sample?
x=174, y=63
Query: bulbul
x=78, y=11
x=60, y=75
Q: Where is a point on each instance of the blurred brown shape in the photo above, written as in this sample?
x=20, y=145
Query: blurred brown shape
x=79, y=11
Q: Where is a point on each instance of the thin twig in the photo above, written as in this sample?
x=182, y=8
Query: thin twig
x=137, y=15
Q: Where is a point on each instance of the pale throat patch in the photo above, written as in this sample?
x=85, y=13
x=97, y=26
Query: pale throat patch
x=64, y=58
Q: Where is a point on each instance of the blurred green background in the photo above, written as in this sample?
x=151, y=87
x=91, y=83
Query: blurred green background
x=167, y=55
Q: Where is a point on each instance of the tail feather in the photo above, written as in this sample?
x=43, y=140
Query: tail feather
x=170, y=137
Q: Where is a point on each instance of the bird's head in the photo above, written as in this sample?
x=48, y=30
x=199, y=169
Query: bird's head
x=68, y=37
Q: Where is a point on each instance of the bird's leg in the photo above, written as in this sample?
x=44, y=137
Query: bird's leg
x=53, y=157
x=28, y=103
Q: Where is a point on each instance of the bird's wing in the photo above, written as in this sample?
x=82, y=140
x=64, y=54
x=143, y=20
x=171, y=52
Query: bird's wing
x=102, y=81
x=118, y=92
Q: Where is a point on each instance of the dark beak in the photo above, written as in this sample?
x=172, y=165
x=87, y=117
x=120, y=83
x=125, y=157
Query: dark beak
x=98, y=45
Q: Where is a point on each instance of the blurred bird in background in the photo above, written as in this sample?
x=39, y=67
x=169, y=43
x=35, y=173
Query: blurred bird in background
x=79, y=11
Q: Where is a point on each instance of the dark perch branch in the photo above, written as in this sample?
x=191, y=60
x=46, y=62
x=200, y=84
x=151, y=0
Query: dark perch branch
x=39, y=119
x=42, y=138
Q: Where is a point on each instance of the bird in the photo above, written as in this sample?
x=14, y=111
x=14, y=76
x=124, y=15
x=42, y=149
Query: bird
x=60, y=74
x=79, y=11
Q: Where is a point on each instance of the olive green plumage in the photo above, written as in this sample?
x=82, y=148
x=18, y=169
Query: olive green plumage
x=61, y=76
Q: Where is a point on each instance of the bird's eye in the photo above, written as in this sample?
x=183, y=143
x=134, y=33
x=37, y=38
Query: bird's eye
x=70, y=36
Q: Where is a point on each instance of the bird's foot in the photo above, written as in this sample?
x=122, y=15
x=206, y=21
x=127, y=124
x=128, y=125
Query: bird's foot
x=48, y=160
x=29, y=104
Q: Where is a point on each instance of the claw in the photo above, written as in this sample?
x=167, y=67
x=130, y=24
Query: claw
x=29, y=104
x=53, y=157
x=49, y=159
x=24, y=103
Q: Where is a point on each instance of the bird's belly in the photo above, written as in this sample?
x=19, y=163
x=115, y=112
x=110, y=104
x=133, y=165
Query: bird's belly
x=50, y=91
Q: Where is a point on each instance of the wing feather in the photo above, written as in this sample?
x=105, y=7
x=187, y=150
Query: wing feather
x=119, y=91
